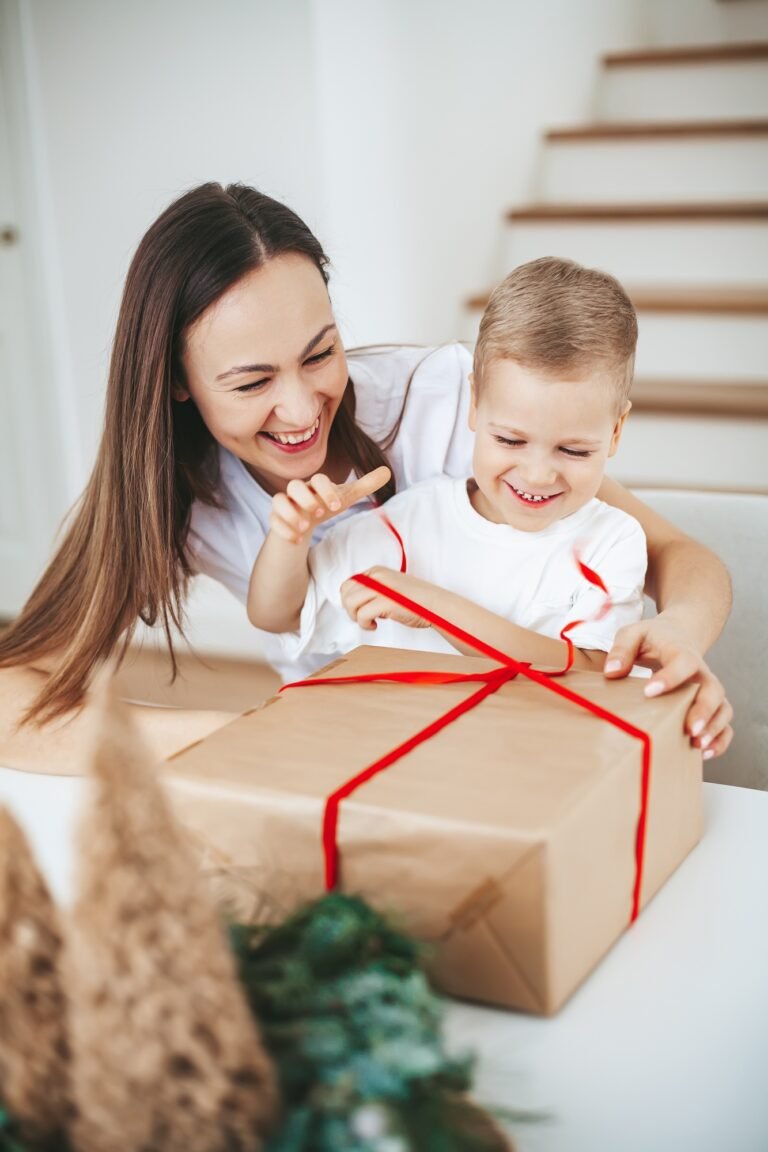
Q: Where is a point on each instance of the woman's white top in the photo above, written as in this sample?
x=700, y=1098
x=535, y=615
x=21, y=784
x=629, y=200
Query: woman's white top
x=529, y=578
x=433, y=439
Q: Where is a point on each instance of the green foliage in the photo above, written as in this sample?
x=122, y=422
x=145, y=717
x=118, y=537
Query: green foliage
x=12, y=1140
x=355, y=1032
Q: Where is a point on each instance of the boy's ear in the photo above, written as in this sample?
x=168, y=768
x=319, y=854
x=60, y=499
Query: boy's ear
x=618, y=428
x=472, y=420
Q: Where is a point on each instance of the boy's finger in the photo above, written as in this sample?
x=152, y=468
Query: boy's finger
x=300, y=494
x=369, y=613
x=364, y=485
x=283, y=509
x=326, y=492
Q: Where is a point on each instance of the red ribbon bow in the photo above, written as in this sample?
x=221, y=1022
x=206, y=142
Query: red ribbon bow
x=491, y=681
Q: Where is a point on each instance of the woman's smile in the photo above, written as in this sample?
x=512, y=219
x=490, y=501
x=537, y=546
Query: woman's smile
x=298, y=441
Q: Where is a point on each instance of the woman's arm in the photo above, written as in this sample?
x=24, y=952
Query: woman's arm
x=692, y=590
x=685, y=579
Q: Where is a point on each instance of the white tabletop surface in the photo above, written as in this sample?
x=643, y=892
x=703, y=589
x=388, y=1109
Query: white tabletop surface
x=663, y=1049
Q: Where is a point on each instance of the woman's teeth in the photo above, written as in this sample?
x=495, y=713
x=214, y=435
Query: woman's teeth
x=294, y=437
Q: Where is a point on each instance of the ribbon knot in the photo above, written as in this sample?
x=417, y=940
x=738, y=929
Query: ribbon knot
x=491, y=681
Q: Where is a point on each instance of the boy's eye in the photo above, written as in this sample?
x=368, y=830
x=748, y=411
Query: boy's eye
x=576, y=452
x=511, y=443
x=321, y=355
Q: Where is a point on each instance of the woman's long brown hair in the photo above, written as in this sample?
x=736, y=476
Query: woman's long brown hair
x=122, y=557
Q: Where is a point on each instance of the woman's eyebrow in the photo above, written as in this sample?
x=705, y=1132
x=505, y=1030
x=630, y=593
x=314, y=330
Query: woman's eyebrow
x=243, y=368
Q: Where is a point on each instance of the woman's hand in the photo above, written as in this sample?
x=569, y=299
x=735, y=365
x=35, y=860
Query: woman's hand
x=306, y=503
x=365, y=606
x=662, y=644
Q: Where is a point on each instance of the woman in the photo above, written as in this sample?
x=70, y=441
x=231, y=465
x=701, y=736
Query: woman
x=227, y=381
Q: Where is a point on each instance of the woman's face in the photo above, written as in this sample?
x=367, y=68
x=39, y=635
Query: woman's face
x=267, y=371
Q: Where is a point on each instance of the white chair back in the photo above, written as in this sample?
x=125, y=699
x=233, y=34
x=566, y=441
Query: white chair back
x=735, y=526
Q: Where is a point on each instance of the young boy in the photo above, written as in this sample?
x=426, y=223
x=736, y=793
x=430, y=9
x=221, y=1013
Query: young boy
x=496, y=553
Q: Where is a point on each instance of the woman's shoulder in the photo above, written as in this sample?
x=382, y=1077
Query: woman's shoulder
x=383, y=376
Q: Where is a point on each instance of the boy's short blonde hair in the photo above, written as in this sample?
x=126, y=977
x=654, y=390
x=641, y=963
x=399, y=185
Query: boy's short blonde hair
x=557, y=316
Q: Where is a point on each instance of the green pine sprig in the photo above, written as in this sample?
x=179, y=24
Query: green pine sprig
x=355, y=1031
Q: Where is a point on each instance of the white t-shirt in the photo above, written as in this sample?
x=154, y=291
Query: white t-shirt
x=530, y=578
x=433, y=439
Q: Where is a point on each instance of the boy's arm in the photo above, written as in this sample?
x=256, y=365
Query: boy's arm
x=280, y=575
x=278, y=585
x=365, y=606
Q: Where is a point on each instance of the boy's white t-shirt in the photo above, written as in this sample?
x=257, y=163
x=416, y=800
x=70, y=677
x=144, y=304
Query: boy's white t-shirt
x=530, y=578
x=428, y=388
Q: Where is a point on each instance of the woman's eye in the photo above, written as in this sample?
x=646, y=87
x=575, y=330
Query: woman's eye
x=582, y=452
x=253, y=386
x=510, y=443
x=321, y=355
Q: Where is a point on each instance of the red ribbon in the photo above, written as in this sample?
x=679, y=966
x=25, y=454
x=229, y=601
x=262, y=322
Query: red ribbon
x=492, y=681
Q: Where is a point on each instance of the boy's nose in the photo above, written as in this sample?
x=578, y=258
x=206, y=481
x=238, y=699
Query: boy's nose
x=539, y=476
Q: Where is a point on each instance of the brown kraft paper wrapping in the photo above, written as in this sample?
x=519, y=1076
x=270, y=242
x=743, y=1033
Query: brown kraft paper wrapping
x=507, y=840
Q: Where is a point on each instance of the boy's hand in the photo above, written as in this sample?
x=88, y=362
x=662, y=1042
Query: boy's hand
x=306, y=503
x=365, y=606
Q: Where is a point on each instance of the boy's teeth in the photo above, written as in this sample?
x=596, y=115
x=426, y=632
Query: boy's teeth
x=295, y=437
x=532, y=499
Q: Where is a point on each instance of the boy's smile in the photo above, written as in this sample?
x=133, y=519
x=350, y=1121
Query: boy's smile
x=541, y=442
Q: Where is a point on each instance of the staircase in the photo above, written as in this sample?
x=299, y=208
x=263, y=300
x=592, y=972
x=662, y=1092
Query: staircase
x=668, y=190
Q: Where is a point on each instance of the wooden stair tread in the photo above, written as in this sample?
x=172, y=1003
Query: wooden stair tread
x=689, y=54
x=701, y=398
x=633, y=130
x=607, y=213
x=716, y=299
x=692, y=299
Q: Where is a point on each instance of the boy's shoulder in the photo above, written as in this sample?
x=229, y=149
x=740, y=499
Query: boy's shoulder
x=435, y=489
x=606, y=527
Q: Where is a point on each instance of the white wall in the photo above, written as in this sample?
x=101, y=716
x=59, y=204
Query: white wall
x=431, y=114
x=707, y=21
x=400, y=130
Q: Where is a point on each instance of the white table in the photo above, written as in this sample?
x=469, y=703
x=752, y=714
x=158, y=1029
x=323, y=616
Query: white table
x=664, y=1048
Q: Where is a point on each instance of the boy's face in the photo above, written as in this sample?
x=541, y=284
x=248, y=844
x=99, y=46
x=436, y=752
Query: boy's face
x=541, y=443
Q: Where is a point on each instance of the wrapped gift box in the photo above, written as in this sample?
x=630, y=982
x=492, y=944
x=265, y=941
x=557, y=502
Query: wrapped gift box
x=507, y=840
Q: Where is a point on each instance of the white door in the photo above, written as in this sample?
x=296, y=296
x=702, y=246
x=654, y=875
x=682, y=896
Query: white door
x=28, y=474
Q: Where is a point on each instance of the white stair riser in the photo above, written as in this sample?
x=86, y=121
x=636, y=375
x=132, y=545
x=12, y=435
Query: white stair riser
x=674, y=169
x=679, y=346
x=707, y=452
x=702, y=347
x=668, y=252
x=684, y=92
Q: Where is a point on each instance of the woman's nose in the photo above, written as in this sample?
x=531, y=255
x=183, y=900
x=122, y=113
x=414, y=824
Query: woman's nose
x=297, y=404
